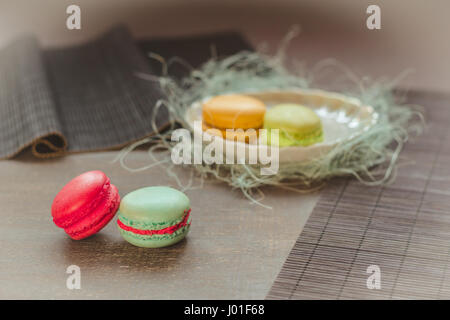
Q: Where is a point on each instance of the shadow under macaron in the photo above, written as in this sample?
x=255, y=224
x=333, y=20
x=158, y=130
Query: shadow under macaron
x=105, y=252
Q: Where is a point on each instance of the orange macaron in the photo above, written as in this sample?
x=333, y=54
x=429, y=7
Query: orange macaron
x=233, y=111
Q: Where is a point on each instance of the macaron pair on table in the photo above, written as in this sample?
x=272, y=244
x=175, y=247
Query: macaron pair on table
x=148, y=217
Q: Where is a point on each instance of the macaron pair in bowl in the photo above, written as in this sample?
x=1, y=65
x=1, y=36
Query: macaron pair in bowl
x=297, y=124
x=310, y=122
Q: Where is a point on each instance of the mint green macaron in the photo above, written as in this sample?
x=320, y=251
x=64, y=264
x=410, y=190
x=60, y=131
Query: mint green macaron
x=154, y=217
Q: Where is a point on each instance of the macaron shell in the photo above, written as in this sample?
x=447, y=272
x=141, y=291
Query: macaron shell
x=154, y=205
x=148, y=242
x=292, y=118
x=238, y=135
x=234, y=111
x=286, y=139
x=98, y=218
x=85, y=204
x=76, y=198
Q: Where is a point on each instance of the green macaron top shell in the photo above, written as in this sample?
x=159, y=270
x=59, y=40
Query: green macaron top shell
x=292, y=118
x=154, y=206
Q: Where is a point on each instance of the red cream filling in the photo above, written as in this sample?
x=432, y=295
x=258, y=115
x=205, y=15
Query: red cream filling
x=168, y=230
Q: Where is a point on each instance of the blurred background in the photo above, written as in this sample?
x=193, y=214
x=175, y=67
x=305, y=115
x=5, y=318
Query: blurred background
x=414, y=33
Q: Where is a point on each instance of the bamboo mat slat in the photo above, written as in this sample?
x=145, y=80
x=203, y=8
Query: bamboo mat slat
x=403, y=228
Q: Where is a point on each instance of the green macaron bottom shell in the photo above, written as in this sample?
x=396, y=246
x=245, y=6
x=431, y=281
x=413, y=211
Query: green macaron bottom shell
x=155, y=241
x=288, y=139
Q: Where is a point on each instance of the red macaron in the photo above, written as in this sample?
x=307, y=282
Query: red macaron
x=85, y=205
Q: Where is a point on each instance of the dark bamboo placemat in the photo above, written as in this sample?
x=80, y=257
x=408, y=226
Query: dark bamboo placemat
x=403, y=228
x=90, y=97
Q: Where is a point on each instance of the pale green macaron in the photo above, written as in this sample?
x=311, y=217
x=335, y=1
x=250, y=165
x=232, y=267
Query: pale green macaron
x=154, y=217
x=297, y=124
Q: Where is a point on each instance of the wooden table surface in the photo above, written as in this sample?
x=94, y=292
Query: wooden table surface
x=234, y=250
